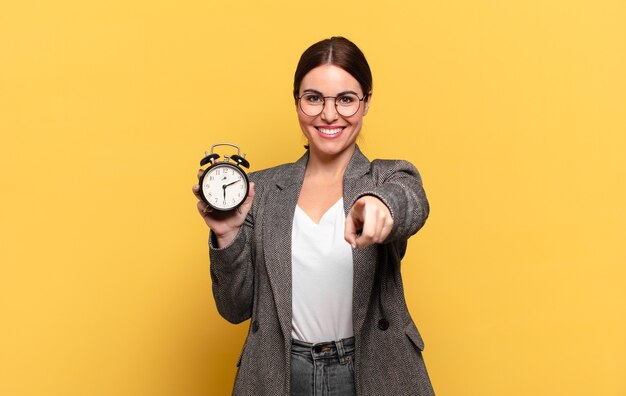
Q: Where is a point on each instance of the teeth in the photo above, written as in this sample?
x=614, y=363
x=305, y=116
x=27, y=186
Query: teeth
x=333, y=131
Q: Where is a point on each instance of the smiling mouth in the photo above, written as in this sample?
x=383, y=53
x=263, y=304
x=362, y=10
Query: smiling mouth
x=329, y=131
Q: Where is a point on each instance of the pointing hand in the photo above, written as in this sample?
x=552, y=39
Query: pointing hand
x=369, y=221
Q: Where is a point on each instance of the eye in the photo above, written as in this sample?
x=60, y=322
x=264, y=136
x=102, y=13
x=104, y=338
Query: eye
x=313, y=98
x=346, y=99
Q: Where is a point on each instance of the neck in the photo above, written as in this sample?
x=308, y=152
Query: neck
x=329, y=165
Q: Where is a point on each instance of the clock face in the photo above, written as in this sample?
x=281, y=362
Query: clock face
x=224, y=186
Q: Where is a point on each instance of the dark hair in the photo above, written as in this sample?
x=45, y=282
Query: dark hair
x=338, y=51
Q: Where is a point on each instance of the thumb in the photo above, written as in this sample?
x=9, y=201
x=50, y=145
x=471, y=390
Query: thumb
x=245, y=207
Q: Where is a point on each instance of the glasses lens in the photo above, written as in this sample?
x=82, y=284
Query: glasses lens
x=311, y=104
x=347, y=104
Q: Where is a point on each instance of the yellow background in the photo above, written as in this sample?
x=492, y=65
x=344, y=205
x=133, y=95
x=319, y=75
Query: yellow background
x=514, y=112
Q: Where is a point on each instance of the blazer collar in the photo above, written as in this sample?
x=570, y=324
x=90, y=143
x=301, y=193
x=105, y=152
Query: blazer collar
x=358, y=166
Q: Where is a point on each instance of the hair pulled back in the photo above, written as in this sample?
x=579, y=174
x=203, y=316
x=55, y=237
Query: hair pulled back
x=338, y=51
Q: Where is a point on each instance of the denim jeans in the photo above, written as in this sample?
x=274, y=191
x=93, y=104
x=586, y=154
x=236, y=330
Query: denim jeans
x=324, y=369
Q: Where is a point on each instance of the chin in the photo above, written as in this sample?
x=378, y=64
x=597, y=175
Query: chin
x=330, y=147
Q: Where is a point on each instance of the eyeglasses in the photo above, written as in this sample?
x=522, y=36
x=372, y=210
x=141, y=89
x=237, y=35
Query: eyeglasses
x=346, y=104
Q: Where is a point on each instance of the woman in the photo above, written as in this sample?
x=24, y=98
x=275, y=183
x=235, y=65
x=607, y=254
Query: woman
x=313, y=255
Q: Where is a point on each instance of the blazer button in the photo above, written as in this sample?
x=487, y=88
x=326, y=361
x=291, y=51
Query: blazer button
x=383, y=324
x=255, y=326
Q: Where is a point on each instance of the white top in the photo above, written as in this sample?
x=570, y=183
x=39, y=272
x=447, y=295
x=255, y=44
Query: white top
x=321, y=262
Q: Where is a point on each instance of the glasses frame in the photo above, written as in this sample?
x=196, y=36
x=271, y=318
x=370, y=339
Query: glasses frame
x=298, y=98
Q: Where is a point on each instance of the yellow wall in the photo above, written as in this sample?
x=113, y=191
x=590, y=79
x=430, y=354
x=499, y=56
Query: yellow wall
x=514, y=111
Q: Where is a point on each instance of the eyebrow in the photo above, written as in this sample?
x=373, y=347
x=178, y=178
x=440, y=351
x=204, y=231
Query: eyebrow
x=321, y=94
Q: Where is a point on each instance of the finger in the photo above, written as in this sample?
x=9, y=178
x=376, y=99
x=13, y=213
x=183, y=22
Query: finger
x=203, y=208
x=358, y=209
x=369, y=229
x=377, y=225
x=196, y=191
x=386, y=223
x=381, y=224
x=354, y=223
x=251, y=194
x=247, y=204
x=196, y=187
x=386, y=230
x=350, y=230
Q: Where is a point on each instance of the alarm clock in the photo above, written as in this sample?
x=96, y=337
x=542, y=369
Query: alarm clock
x=224, y=184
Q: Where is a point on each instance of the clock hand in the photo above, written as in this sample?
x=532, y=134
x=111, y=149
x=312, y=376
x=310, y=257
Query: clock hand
x=230, y=184
x=224, y=188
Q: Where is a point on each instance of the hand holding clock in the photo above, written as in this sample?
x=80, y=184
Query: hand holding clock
x=225, y=225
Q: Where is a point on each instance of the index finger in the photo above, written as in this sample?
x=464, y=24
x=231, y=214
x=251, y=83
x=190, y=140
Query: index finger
x=350, y=231
x=358, y=208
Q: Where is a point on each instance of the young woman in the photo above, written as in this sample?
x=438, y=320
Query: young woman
x=313, y=255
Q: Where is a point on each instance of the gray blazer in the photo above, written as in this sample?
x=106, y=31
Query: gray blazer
x=252, y=279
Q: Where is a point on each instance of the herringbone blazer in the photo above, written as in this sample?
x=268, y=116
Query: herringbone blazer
x=251, y=279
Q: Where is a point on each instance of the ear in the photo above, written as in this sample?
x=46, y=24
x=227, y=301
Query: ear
x=367, y=104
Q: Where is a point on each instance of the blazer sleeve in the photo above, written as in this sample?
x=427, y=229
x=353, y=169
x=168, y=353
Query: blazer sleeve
x=232, y=274
x=399, y=186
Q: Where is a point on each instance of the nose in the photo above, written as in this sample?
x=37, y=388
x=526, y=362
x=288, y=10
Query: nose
x=329, y=113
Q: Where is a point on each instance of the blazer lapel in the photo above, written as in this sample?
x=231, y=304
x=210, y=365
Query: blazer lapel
x=277, y=232
x=364, y=259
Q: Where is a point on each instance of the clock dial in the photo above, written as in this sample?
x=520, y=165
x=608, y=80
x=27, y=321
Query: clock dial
x=224, y=186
